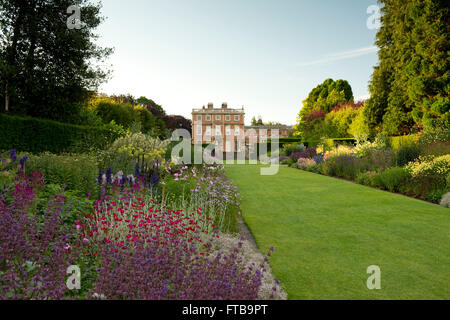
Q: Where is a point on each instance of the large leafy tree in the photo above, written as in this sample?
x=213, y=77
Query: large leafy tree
x=410, y=86
x=318, y=104
x=47, y=69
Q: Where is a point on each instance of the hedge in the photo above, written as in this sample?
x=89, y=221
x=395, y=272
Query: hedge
x=39, y=135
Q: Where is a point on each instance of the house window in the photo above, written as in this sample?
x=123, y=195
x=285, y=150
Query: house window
x=228, y=118
x=236, y=130
x=218, y=130
x=208, y=130
x=199, y=130
x=237, y=118
x=199, y=118
x=228, y=130
x=208, y=118
x=217, y=117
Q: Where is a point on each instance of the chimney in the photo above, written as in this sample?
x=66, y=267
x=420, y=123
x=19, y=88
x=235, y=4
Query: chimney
x=224, y=105
x=210, y=105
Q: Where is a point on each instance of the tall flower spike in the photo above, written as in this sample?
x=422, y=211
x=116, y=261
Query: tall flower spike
x=13, y=155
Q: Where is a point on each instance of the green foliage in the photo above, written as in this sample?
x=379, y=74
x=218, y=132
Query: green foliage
x=76, y=172
x=288, y=149
x=76, y=205
x=46, y=69
x=437, y=195
x=129, y=116
x=38, y=135
x=125, y=152
x=337, y=123
x=435, y=135
x=343, y=166
x=333, y=143
x=436, y=149
x=367, y=178
x=364, y=149
x=428, y=175
x=359, y=128
x=392, y=179
x=410, y=86
x=403, y=141
x=318, y=103
x=406, y=154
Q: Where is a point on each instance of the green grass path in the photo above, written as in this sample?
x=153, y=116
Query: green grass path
x=326, y=232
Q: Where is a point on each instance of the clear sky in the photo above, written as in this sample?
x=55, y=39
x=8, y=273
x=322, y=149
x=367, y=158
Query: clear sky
x=263, y=55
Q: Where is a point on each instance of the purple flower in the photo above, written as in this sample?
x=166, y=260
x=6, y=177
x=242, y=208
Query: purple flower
x=13, y=155
x=109, y=176
x=22, y=162
x=100, y=177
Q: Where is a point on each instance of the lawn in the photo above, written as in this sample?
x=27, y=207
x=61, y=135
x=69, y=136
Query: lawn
x=326, y=233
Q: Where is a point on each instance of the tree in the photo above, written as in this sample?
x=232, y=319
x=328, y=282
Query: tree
x=178, y=122
x=143, y=101
x=254, y=123
x=410, y=86
x=46, y=69
x=318, y=104
x=259, y=122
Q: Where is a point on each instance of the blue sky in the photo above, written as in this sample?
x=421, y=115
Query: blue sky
x=263, y=55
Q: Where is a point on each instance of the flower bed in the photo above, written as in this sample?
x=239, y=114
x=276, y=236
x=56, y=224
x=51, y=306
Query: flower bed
x=417, y=170
x=156, y=234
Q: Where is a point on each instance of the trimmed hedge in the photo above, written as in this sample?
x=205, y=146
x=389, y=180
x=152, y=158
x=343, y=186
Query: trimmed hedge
x=39, y=135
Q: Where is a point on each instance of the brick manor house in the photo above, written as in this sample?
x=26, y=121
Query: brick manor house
x=226, y=127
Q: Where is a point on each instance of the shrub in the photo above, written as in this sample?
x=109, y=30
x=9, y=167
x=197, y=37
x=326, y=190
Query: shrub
x=125, y=152
x=436, y=149
x=289, y=149
x=343, y=166
x=392, y=179
x=406, y=154
x=76, y=172
x=436, y=195
x=429, y=174
x=338, y=121
x=37, y=135
x=367, y=178
x=337, y=151
x=304, y=163
x=127, y=115
x=433, y=136
x=365, y=148
x=309, y=153
x=404, y=141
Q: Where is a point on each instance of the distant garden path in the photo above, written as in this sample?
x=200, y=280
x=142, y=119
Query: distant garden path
x=326, y=232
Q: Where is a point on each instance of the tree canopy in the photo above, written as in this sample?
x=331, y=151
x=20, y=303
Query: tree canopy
x=46, y=69
x=410, y=85
x=318, y=104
